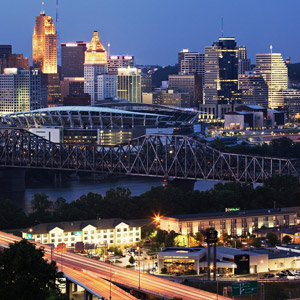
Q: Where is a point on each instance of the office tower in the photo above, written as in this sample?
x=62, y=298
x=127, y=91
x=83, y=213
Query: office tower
x=129, y=84
x=191, y=84
x=190, y=63
x=44, y=52
x=72, y=59
x=72, y=86
x=20, y=90
x=44, y=56
x=221, y=72
x=273, y=68
x=177, y=99
x=114, y=62
x=254, y=89
x=5, y=50
x=146, y=84
x=107, y=86
x=14, y=61
x=97, y=83
x=244, y=62
x=288, y=60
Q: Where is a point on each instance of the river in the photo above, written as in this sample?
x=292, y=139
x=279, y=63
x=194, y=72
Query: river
x=73, y=189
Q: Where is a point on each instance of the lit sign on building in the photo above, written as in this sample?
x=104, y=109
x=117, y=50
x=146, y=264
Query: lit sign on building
x=29, y=236
x=127, y=57
x=114, y=57
x=232, y=209
x=77, y=233
x=71, y=45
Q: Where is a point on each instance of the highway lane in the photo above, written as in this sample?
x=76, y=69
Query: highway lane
x=126, y=277
x=98, y=286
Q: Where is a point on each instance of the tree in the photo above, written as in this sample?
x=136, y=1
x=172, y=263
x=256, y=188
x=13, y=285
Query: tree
x=286, y=239
x=40, y=206
x=272, y=238
x=199, y=237
x=256, y=242
x=131, y=260
x=24, y=274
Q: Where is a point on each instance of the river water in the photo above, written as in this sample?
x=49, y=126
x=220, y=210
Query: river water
x=72, y=190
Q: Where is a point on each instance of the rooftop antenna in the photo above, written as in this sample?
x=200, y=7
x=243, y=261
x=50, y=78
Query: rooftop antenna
x=57, y=30
x=108, y=49
x=222, y=27
x=43, y=8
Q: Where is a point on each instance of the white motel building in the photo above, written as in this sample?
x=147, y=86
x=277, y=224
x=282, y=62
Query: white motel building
x=112, y=232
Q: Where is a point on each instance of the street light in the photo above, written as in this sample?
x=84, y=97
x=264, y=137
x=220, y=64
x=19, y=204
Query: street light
x=139, y=252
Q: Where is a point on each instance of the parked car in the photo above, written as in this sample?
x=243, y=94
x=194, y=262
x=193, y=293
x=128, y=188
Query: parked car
x=267, y=275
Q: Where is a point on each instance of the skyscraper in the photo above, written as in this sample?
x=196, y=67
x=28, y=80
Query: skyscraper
x=44, y=55
x=221, y=71
x=97, y=83
x=5, y=50
x=14, y=61
x=190, y=63
x=129, y=84
x=20, y=90
x=275, y=72
x=114, y=62
x=244, y=62
x=72, y=59
x=254, y=89
x=44, y=52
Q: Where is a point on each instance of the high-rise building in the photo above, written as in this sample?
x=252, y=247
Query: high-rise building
x=44, y=56
x=114, y=62
x=97, y=83
x=20, y=90
x=129, y=84
x=146, y=84
x=254, y=89
x=72, y=59
x=14, y=61
x=190, y=63
x=244, y=62
x=5, y=50
x=191, y=84
x=221, y=72
x=275, y=72
x=44, y=51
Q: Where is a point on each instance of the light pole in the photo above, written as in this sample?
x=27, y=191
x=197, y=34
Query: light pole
x=139, y=252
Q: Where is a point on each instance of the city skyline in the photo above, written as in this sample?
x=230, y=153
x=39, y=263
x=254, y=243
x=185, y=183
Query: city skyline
x=254, y=24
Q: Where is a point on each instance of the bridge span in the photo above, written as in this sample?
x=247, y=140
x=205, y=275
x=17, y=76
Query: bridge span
x=95, y=276
x=167, y=156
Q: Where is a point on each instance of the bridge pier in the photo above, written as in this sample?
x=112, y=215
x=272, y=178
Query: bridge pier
x=183, y=184
x=12, y=180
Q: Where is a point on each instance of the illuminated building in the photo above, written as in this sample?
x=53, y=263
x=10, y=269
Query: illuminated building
x=244, y=62
x=275, y=72
x=191, y=84
x=44, y=52
x=113, y=232
x=221, y=72
x=146, y=84
x=44, y=55
x=190, y=63
x=129, y=84
x=97, y=83
x=254, y=89
x=20, y=90
x=235, y=223
x=292, y=103
x=114, y=62
x=72, y=59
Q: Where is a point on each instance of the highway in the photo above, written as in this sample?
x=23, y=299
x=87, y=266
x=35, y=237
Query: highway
x=128, y=278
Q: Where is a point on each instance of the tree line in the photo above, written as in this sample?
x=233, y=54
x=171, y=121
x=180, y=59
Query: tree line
x=279, y=191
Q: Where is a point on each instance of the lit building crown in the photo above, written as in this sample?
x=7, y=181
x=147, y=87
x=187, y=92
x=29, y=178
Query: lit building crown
x=95, y=53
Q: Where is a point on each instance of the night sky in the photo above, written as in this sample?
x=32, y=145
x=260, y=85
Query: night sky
x=155, y=30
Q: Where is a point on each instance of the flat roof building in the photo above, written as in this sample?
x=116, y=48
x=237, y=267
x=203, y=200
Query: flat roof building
x=234, y=223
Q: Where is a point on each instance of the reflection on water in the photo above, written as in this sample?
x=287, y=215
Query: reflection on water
x=72, y=190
